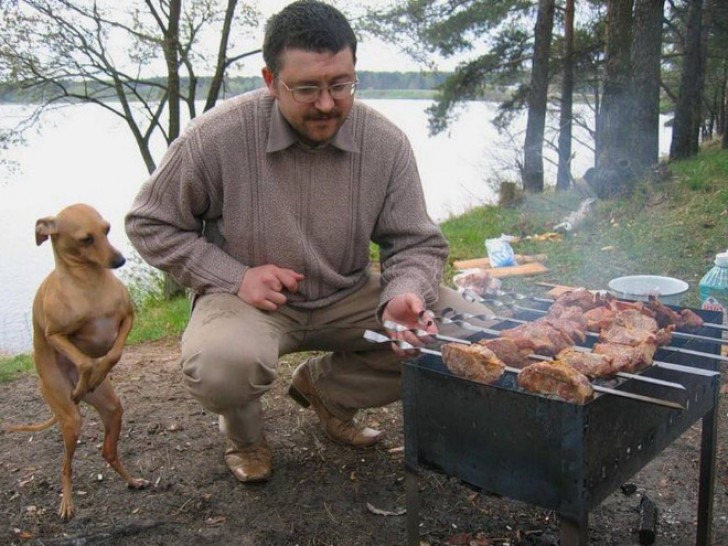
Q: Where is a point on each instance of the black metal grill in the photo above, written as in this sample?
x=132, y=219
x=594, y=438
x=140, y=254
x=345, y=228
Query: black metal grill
x=550, y=453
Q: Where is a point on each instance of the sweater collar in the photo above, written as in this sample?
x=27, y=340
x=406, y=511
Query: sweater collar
x=281, y=135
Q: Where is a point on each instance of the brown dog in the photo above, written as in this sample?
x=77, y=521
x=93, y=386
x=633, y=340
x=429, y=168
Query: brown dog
x=82, y=315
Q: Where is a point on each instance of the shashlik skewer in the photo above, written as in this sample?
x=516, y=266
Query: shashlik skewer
x=389, y=325
x=376, y=337
x=682, y=335
x=658, y=363
x=520, y=297
x=473, y=298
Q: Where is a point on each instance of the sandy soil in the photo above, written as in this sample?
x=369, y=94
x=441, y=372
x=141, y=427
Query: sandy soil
x=320, y=493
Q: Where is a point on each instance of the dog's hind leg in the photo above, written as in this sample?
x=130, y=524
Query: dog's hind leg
x=107, y=403
x=56, y=389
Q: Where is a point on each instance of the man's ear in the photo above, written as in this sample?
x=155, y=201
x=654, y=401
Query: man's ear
x=44, y=228
x=269, y=80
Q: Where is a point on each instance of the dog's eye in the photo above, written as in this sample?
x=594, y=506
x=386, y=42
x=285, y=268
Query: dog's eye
x=87, y=241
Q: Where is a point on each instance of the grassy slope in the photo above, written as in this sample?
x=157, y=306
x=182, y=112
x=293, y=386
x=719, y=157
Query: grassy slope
x=673, y=226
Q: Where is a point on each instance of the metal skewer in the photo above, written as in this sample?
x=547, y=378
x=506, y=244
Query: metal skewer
x=667, y=347
x=469, y=295
x=389, y=325
x=376, y=337
x=658, y=363
x=520, y=297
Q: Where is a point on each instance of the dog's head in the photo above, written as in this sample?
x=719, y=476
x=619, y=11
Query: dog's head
x=80, y=236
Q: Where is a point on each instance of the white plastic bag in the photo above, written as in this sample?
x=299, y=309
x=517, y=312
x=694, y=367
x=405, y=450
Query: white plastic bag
x=500, y=252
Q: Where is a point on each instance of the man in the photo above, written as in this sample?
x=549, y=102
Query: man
x=265, y=207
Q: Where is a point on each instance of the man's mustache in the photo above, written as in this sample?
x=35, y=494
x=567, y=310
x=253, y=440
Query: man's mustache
x=322, y=117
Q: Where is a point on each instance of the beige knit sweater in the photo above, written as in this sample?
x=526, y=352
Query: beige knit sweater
x=236, y=190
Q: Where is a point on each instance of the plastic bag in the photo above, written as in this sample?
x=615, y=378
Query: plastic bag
x=500, y=252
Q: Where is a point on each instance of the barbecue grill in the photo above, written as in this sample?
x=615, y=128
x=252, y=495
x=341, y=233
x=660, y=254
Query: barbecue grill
x=550, y=453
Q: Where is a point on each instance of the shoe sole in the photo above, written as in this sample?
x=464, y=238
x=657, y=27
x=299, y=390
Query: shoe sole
x=298, y=396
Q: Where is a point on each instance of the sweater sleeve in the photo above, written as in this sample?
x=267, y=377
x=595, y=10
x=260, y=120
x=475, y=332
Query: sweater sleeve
x=166, y=221
x=413, y=249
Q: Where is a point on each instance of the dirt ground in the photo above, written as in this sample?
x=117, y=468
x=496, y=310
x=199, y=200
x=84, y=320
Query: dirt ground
x=320, y=493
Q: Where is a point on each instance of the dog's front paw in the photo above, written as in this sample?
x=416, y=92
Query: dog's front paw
x=78, y=393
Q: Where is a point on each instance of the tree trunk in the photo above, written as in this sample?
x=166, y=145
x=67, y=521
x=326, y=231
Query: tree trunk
x=686, y=127
x=221, y=64
x=725, y=119
x=617, y=107
x=563, y=176
x=537, y=98
x=646, y=56
x=171, y=56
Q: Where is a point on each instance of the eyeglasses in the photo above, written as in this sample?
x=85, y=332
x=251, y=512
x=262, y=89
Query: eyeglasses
x=308, y=94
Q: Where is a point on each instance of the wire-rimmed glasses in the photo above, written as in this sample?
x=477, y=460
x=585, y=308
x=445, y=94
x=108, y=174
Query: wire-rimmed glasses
x=308, y=94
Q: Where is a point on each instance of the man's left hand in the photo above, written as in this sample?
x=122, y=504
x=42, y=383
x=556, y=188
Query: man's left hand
x=410, y=311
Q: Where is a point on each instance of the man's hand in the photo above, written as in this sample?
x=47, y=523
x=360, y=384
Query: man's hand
x=264, y=286
x=410, y=311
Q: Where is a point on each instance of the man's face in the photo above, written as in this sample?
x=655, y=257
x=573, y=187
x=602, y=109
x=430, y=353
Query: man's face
x=316, y=122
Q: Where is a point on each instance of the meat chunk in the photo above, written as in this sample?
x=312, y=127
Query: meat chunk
x=570, y=313
x=592, y=365
x=512, y=351
x=599, y=318
x=546, y=339
x=473, y=362
x=622, y=335
x=558, y=379
x=581, y=298
x=684, y=320
x=628, y=358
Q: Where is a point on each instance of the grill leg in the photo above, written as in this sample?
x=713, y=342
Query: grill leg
x=574, y=531
x=413, y=505
x=707, y=476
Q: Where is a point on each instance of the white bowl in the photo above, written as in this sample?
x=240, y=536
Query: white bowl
x=639, y=287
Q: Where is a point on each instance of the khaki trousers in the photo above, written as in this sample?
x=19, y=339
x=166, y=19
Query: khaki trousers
x=230, y=353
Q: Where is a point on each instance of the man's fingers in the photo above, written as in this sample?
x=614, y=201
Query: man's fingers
x=290, y=279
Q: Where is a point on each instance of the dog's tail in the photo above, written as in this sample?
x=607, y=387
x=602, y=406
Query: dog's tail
x=33, y=428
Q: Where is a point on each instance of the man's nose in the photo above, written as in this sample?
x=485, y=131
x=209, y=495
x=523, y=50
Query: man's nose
x=325, y=101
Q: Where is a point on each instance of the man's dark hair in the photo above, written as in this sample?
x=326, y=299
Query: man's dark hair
x=309, y=25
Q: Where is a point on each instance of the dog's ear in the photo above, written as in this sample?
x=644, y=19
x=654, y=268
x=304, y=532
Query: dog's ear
x=44, y=228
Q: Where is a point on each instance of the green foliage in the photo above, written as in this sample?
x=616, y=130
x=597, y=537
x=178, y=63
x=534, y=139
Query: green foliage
x=158, y=319
x=12, y=366
x=672, y=227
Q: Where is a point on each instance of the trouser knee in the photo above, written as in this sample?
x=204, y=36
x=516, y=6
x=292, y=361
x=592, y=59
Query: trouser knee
x=227, y=375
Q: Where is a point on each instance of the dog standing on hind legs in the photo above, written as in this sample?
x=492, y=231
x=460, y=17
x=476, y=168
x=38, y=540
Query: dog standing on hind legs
x=82, y=315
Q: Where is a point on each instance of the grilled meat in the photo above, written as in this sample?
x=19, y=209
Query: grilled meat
x=581, y=298
x=570, y=313
x=685, y=319
x=628, y=358
x=599, y=318
x=632, y=327
x=592, y=365
x=473, y=362
x=547, y=339
x=512, y=351
x=557, y=379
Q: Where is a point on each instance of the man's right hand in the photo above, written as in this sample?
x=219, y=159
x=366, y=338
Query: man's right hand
x=264, y=286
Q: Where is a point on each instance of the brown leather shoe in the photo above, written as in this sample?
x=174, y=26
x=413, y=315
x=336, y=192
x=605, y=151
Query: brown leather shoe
x=249, y=464
x=344, y=432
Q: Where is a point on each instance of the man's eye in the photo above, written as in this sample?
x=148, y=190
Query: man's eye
x=339, y=87
x=306, y=91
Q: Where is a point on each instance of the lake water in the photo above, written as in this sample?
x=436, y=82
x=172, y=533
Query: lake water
x=83, y=154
